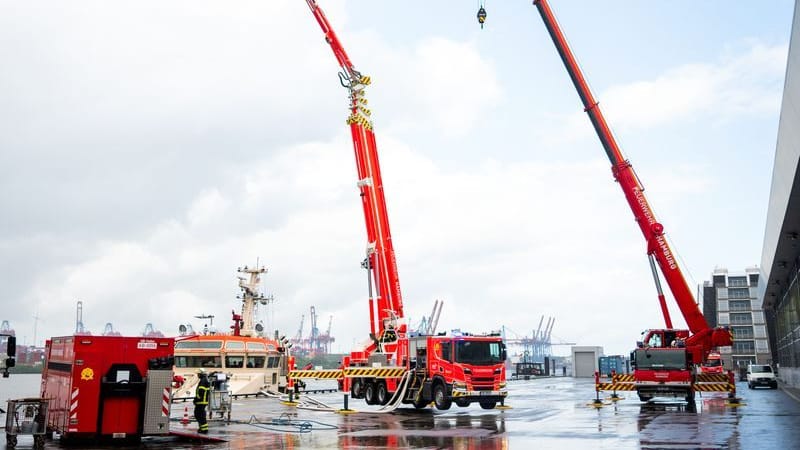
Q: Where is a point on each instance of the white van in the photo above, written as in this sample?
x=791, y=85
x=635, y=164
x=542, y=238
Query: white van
x=761, y=375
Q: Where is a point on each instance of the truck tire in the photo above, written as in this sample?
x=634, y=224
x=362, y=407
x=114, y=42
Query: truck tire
x=461, y=402
x=370, y=392
x=382, y=394
x=356, y=388
x=421, y=402
x=690, y=396
x=488, y=404
x=440, y=398
x=645, y=397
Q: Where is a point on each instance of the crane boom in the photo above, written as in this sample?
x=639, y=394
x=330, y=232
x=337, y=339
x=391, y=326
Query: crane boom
x=653, y=231
x=385, y=304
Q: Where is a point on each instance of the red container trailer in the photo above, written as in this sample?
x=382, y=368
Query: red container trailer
x=112, y=387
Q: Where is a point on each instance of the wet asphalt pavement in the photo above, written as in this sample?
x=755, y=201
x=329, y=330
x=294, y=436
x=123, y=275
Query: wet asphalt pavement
x=545, y=413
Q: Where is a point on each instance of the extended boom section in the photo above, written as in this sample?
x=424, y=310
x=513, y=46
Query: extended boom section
x=386, y=304
x=393, y=366
x=666, y=359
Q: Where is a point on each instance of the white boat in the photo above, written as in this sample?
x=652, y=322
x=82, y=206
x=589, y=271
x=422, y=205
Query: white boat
x=251, y=362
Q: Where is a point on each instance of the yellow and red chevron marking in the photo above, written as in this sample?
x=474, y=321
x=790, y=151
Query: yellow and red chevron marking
x=712, y=378
x=623, y=378
x=616, y=387
x=374, y=372
x=318, y=374
x=714, y=387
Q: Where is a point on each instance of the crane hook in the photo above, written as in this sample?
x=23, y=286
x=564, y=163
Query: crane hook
x=481, y=16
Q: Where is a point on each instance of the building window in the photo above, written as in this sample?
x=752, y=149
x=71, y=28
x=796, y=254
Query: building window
x=743, y=347
x=741, y=318
x=739, y=305
x=753, y=279
x=723, y=305
x=737, y=281
x=760, y=331
x=742, y=332
x=761, y=346
x=738, y=292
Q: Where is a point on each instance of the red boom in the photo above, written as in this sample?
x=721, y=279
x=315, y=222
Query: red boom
x=387, y=305
x=652, y=230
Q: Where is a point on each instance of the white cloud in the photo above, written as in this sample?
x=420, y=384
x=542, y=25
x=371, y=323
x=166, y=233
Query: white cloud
x=748, y=83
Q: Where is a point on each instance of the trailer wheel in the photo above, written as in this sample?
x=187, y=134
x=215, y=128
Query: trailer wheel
x=369, y=392
x=382, y=394
x=440, y=398
x=488, y=404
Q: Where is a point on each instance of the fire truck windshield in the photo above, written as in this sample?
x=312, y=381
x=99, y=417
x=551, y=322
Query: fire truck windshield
x=713, y=363
x=479, y=353
x=660, y=359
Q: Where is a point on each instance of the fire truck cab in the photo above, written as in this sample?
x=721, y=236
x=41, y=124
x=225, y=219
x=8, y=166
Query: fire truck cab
x=463, y=369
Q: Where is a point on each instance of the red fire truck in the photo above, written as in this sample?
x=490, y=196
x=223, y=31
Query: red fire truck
x=666, y=360
x=443, y=369
x=111, y=387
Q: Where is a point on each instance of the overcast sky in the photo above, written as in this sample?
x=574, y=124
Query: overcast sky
x=149, y=148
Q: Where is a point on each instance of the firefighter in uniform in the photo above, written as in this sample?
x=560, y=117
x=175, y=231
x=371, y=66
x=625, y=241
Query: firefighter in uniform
x=201, y=401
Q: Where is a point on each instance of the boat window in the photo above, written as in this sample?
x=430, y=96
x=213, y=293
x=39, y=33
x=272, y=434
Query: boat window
x=256, y=362
x=274, y=362
x=234, y=361
x=238, y=345
x=197, y=361
x=198, y=344
x=256, y=346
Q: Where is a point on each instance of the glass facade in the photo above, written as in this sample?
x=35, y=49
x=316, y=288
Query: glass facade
x=780, y=257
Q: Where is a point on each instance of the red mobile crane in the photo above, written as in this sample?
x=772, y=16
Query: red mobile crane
x=666, y=359
x=395, y=365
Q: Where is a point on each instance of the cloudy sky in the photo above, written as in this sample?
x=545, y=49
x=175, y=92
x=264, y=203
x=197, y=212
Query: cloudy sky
x=148, y=149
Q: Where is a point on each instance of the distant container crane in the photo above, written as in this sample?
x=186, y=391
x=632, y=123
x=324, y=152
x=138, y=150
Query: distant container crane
x=79, y=328
x=316, y=343
x=539, y=345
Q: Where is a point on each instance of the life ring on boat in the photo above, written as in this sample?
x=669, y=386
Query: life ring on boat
x=177, y=381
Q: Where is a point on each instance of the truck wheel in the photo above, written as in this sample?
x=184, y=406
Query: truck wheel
x=488, y=404
x=38, y=441
x=11, y=441
x=369, y=393
x=356, y=388
x=690, y=396
x=461, y=402
x=421, y=403
x=382, y=395
x=440, y=398
x=645, y=397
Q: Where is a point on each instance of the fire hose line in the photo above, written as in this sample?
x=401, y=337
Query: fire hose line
x=284, y=424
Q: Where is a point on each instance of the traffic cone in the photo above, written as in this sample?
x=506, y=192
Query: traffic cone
x=185, y=420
